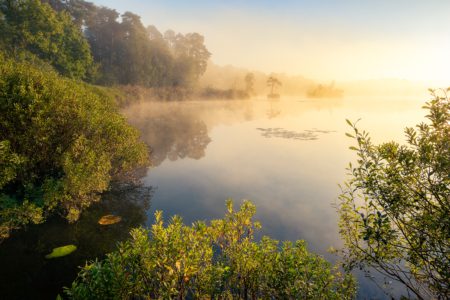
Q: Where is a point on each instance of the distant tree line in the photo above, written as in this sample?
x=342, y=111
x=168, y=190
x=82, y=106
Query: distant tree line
x=97, y=44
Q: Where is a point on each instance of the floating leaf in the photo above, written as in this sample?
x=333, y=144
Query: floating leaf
x=109, y=220
x=61, y=251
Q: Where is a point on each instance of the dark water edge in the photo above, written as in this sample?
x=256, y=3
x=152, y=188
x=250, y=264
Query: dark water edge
x=25, y=273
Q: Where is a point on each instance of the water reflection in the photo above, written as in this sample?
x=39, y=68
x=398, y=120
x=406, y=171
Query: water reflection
x=181, y=130
x=26, y=274
x=274, y=110
x=211, y=151
x=293, y=184
x=172, y=134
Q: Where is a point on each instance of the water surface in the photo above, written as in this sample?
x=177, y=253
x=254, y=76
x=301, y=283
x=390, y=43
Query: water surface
x=286, y=156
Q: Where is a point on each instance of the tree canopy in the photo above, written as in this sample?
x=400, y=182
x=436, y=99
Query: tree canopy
x=97, y=44
x=395, y=209
x=29, y=26
x=128, y=53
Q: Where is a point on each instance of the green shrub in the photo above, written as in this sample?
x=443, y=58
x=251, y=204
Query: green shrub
x=395, y=209
x=61, y=143
x=216, y=261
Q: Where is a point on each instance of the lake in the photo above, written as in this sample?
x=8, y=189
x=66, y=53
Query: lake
x=286, y=156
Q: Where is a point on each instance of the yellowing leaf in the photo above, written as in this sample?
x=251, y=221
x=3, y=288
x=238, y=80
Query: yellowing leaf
x=109, y=220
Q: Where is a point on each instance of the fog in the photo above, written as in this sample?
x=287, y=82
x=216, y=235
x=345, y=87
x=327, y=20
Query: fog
x=231, y=77
x=321, y=40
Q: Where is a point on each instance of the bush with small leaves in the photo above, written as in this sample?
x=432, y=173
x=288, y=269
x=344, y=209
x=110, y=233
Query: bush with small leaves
x=216, y=261
x=395, y=209
x=61, y=143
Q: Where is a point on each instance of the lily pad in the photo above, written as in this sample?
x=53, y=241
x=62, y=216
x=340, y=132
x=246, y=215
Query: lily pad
x=109, y=220
x=61, y=251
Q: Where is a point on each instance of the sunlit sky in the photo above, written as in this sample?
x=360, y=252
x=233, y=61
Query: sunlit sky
x=319, y=39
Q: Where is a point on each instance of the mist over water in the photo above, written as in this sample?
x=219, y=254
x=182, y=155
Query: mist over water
x=286, y=156
x=231, y=99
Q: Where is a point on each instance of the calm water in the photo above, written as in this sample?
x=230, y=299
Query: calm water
x=286, y=156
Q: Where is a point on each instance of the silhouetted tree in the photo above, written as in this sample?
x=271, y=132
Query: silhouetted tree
x=273, y=82
x=190, y=54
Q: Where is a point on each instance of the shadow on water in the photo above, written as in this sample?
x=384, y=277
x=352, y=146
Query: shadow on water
x=26, y=274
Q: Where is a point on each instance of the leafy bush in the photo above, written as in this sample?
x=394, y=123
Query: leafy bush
x=61, y=142
x=395, y=209
x=216, y=261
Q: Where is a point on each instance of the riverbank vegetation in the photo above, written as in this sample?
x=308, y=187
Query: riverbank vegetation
x=66, y=67
x=62, y=140
x=61, y=143
x=395, y=209
x=216, y=261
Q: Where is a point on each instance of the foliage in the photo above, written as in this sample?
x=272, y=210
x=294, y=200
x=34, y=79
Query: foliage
x=61, y=142
x=128, y=53
x=395, y=209
x=219, y=261
x=34, y=27
x=190, y=57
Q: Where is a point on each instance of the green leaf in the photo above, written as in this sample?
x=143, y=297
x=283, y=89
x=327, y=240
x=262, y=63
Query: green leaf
x=61, y=251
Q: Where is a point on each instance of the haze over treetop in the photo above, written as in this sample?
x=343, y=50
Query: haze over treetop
x=343, y=40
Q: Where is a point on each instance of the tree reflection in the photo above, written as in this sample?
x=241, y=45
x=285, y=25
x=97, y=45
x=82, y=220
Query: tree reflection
x=173, y=134
x=26, y=274
x=274, y=110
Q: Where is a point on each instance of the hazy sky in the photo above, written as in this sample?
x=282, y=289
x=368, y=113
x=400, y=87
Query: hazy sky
x=320, y=39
